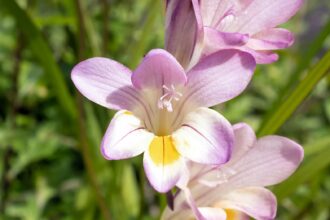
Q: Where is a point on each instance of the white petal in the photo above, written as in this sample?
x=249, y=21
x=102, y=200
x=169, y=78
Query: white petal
x=213, y=213
x=163, y=164
x=205, y=137
x=125, y=137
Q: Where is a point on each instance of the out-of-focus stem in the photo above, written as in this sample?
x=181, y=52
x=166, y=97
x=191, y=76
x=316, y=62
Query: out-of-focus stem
x=11, y=116
x=83, y=141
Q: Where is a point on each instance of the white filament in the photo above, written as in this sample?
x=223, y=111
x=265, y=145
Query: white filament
x=166, y=100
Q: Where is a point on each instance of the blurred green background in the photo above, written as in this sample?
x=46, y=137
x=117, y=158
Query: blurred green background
x=50, y=162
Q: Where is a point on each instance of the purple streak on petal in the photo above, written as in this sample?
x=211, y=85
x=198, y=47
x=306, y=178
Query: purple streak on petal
x=125, y=137
x=205, y=137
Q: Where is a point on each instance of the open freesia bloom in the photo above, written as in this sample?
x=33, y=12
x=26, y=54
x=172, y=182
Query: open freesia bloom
x=195, y=28
x=236, y=190
x=163, y=110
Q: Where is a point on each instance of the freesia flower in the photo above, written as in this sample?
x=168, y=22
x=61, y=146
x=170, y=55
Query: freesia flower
x=236, y=190
x=195, y=28
x=163, y=110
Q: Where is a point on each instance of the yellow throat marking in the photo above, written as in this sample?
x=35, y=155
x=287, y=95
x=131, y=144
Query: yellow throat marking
x=162, y=150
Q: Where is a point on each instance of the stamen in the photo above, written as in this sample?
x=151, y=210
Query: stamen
x=166, y=100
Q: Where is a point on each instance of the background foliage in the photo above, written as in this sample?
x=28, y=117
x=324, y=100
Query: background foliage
x=50, y=162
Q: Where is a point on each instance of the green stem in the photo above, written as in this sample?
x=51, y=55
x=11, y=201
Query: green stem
x=85, y=149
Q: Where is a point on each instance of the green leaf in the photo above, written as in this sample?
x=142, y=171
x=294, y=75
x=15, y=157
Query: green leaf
x=138, y=49
x=43, y=53
x=130, y=192
x=285, y=109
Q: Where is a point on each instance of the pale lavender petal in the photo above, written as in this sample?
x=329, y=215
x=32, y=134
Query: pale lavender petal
x=205, y=137
x=219, y=77
x=125, y=137
x=272, y=39
x=157, y=69
x=270, y=161
x=183, y=29
x=214, y=12
x=263, y=15
x=256, y=202
x=245, y=138
x=105, y=82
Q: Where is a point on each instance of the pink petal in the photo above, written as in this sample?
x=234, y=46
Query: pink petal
x=125, y=137
x=261, y=57
x=263, y=15
x=215, y=40
x=270, y=161
x=183, y=29
x=272, y=39
x=256, y=202
x=158, y=68
x=105, y=82
x=219, y=77
x=205, y=137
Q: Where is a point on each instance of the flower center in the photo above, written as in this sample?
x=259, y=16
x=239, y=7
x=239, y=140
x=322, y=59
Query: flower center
x=170, y=94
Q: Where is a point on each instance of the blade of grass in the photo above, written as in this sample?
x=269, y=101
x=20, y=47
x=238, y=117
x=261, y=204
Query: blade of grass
x=307, y=57
x=43, y=54
x=296, y=97
x=317, y=146
x=304, y=62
